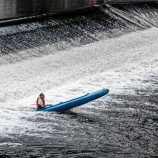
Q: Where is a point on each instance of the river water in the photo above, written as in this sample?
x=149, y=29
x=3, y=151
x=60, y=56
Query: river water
x=69, y=57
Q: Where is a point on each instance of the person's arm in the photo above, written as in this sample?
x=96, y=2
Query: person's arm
x=43, y=106
x=49, y=105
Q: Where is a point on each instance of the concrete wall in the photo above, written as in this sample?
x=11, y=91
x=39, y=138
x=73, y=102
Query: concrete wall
x=40, y=6
x=130, y=1
x=20, y=8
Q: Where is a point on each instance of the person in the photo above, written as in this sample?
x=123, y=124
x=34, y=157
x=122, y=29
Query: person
x=40, y=103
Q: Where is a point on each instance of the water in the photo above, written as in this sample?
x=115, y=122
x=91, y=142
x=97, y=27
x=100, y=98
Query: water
x=68, y=57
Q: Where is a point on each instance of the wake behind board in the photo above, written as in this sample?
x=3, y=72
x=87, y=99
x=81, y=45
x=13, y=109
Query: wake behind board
x=76, y=102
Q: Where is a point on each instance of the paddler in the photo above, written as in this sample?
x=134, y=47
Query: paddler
x=40, y=103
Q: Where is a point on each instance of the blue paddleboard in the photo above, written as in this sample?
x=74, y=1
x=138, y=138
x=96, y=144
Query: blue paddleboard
x=76, y=102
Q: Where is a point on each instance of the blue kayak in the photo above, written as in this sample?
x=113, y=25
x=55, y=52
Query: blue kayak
x=76, y=102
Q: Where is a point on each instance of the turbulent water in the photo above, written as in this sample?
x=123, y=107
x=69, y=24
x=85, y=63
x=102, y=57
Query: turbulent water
x=115, y=48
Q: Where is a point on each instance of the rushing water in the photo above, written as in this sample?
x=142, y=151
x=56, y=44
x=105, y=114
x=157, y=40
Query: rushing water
x=68, y=57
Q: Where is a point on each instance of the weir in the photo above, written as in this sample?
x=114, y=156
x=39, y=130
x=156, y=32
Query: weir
x=46, y=36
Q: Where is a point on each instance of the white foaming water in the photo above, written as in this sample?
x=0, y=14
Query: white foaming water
x=119, y=64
